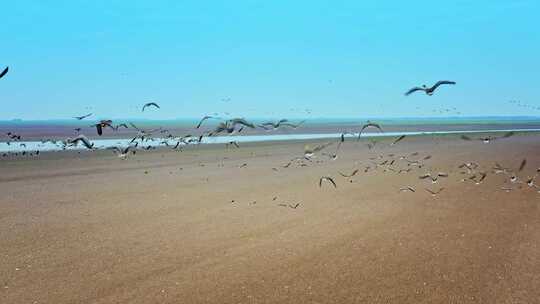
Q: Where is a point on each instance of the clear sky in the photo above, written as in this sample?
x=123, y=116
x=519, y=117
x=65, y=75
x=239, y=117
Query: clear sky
x=271, y=58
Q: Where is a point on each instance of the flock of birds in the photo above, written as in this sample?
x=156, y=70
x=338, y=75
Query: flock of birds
x=402, y=164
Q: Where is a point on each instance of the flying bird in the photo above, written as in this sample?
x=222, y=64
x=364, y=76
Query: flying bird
x=408, y=188
x=488, y=139
x=309, y=152
x=429, y=91
x=232, y=143
x=150, y=104
x=398, y=140
x=123, y=152
x=280, y=123
x=327, y=178
x=83, y=117
x=202, y=120
x=81, y=138
x=349, y=175
x=367, y=125
x=434, y=192
x=102, y=124
x=4, y=72
x=522, y=165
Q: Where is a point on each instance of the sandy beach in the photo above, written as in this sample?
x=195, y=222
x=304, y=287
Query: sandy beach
x=217, y=225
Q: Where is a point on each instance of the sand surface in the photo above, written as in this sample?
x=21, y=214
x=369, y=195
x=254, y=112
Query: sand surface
x=199, y=226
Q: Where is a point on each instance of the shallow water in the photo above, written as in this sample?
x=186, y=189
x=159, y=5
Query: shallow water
x=157, y=142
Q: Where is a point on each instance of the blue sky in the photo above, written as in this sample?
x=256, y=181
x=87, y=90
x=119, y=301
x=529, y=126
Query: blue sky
x=271, y=58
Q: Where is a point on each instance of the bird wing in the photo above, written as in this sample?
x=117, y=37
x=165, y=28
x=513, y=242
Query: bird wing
x=202, y=120
x=134, y=126
x=4, y=72
x=398, y=139
x=409, y=92
x=435, y=86
x=522, y=165
x=332, y=181
x=292, y=125
x=431, y=191
x=241, y=121
x=99, y=129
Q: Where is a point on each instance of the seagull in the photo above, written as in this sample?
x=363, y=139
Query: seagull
x=241, y=121
x=232, y=143
x=429, y=91
x=434, y=192
x=230, y=125
x=367, y=125
x=142, y=134
x=488, y=139
x=4, y=72
x=497, y=169
x=309, y=152
x=202, y=120
x=408, y=188
x=150, y=104
x=479, y=180
x=398, y=140
x=123, y=125
x=272, y=125
x=433, y=178
x=81, y=138
x=350, y=175
x=327, y=178
x=522, y=165
x=13, y=136
x=83, y=117
x=123, y=153
x=470, y=166
x=102, y=124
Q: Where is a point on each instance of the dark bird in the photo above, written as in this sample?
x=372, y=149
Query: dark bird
x=488, y=139
x=272, y=125
x=349, y=175
x=102, y=124
x=241, y=121
x=367, y=125
x=123, y=152
x=522, y=165
x=327, y=178
x=13, y=136
x=153, y=104
x=4, y=72
x=123, y=125
x=232, y=143
x=294, y=206
x=434, y=192
x=83, y=117
x=280, y=123
x=398, y=140
x=408, y=188
x=429, y=91
x=202, y=120
x=309, y=152
x=433, y=177
x=78, y=139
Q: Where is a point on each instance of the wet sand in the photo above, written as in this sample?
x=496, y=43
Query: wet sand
x=193, y=227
